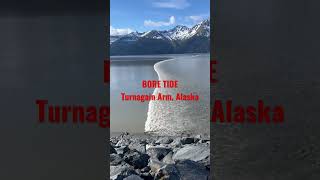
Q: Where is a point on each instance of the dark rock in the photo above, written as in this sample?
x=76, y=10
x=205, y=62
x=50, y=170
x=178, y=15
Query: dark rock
x=112, y=150
x=121, y=171
x=115, y=159
x=204, y=141
x=192, y=152
x=136, y=159
x=169, y=172
x=158, y=152
x=206, y=162
x=187, y=140
x=190, y=170
x=146, y=176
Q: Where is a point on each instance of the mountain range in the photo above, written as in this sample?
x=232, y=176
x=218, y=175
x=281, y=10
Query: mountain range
x=180, y=39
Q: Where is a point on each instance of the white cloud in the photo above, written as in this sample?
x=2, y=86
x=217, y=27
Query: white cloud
x=150, y=23
x=119, y=32
x=174, y=4
x=196, y=18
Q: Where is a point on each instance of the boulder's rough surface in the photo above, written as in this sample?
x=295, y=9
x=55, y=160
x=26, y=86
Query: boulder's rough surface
x=165, y=158
x=190, y=170
x=193, y=152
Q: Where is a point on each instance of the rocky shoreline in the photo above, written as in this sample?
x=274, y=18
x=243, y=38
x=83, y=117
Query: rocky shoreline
x=149, y=157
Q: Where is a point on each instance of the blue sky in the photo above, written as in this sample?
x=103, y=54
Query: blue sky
x=143, y=15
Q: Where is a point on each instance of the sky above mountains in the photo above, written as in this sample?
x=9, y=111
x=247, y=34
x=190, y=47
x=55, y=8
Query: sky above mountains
x=127, y=16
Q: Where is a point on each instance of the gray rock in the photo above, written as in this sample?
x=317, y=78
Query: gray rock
x=137, y=146
x=155, y=164
x=115, y=159
x=190, y=170
x=169, y=172
x=192, y=152
x=121, y=171
x=136, y=159
x=187, y=140
x=158, y=152
x=133, y=177
x=164, y=140
x=168, y=158
x=122, y=150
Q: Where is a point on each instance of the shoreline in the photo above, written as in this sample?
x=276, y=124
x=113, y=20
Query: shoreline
x=143, y=156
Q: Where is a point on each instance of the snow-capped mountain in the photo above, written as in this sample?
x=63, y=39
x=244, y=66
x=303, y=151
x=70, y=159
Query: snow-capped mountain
x=180, y=39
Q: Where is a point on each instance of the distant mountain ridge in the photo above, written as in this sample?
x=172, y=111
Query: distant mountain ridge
x=180, y=39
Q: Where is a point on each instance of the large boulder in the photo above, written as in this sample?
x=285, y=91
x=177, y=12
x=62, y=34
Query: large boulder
x=190, y=170
x=120, y=172
x=136, y=159
x=192, y=152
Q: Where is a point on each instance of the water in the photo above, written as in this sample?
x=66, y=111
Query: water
x=182, y=117
x=127, y=73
